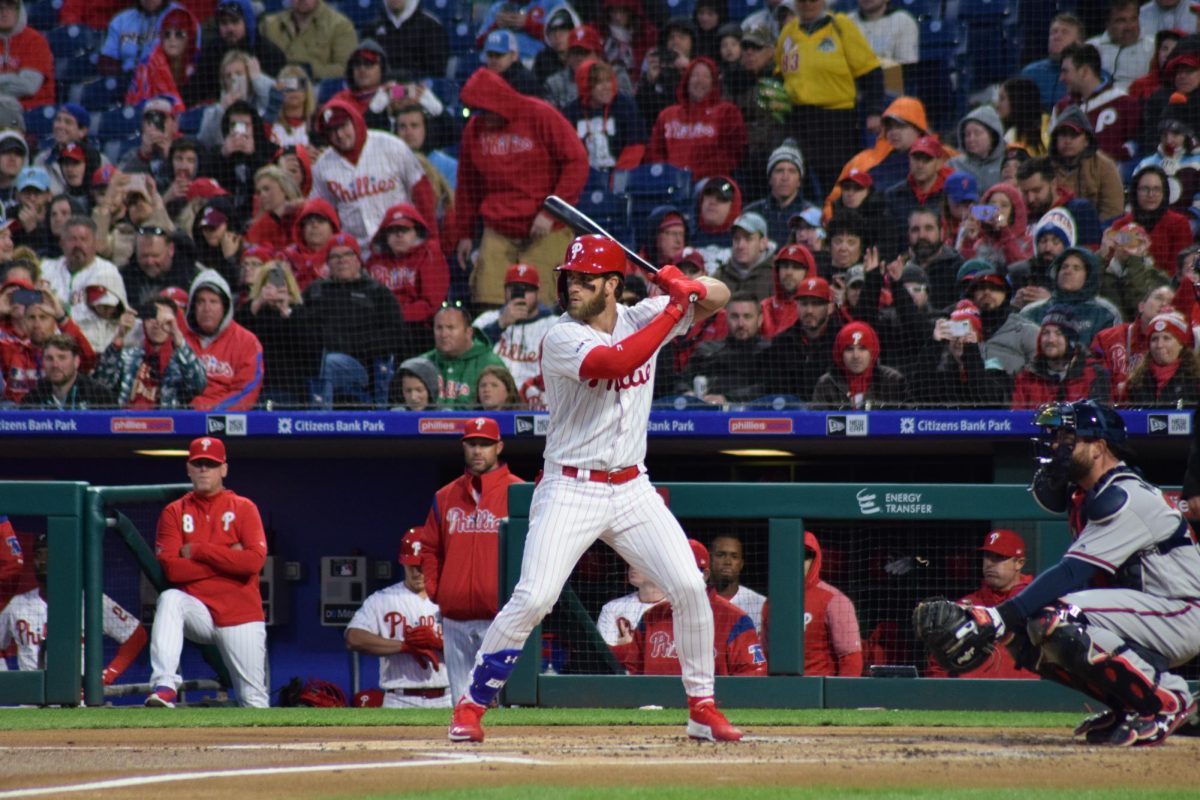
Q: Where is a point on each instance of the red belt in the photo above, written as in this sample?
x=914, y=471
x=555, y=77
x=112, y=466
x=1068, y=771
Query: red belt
x=617, y=476
x=420, y=692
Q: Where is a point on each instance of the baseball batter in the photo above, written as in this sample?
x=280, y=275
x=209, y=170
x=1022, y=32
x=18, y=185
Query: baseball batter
x=1119, y=643
x=619, y=618
x=23, y=623
x=460, y=547
x=212, y=547
x=402, y=626
x=598, y=363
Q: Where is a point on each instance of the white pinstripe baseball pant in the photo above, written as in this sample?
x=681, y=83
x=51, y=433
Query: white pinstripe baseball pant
x=567, y=515
x=243, y=647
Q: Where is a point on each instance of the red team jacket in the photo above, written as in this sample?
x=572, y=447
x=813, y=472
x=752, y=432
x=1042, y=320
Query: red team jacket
x=12, y=561
x=832, y=643
x=735, y=642
x=1000, y=664
x=419, y=279
x=232, y=358
x=25, y=48
x=708, y=137
x=223, y=579
x=505, y=173
x=21, y=359
x=459, y=553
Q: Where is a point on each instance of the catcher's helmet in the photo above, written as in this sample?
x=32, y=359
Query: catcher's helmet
x=591, y=254
x=1084, y=419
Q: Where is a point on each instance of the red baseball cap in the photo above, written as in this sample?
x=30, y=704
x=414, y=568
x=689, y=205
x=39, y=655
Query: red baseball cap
x=176, y=295
x=671, y=219
x=410, y=549
x=368, y=698
x=18, y=282
x=103, y=175
x=481, y=428
x=863, y=179
x=798, y=254
x=522, y=273
x=204, y=187
x=1004, y=542
x=72, y=152
x=929, y=145
x=586, y=37
x=207, y=448
x=700, y=553
x=816, y=287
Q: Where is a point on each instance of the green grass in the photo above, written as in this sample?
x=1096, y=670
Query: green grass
x=710, y=792
x=750, y=718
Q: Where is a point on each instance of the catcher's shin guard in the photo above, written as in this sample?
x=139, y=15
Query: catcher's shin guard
x=1070, y=657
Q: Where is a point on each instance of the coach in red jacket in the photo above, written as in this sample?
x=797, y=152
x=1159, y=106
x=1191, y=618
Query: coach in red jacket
x=515, y=151
x=701, y=132
x=211, y=546
x=232, y=356
x=460, y=548
x=1003, y=559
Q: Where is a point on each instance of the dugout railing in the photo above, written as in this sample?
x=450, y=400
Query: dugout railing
x=786, y=507
x=77, y=516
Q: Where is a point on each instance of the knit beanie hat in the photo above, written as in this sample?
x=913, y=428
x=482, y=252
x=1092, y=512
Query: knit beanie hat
x=788, y=151
x=967, y=310
x=1171, y=321
x=1057, y=222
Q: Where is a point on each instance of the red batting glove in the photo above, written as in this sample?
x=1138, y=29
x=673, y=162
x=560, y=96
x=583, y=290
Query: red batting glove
x=679, y=286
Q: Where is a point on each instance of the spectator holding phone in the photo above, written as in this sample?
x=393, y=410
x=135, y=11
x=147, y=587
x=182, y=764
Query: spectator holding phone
x=241, y=79
x=29, y=317
x=997, y=229
x=234, y=27
x=289, y=353
x=159, y=127
x=663, y=68
x=244, y=150
x=290, y=127
x=965, y=374
x=1128, y=269
x=517, y=327
x=149, y=364
x=1149, y=199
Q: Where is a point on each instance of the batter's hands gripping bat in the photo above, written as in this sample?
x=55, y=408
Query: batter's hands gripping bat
x=581, y=223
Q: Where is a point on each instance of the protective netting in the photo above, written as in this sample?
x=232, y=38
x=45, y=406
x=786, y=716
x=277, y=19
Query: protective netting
x=720, y=164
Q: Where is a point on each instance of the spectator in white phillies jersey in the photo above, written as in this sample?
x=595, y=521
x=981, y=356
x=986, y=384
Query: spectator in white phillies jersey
x=619, y=617
x=364, y=173
x=516, y=328
x=402, y=626
x=23, y=624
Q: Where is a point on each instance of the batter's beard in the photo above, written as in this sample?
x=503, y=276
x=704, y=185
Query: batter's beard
x=588, y=309
x=1078, y=469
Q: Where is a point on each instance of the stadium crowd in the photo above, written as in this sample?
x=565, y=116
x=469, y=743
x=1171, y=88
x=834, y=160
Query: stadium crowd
x=218, y=205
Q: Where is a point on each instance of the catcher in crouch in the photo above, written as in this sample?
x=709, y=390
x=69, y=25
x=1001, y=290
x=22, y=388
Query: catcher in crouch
x=1118, y=643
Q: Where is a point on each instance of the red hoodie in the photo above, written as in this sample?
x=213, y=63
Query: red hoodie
x=504, y=173
x=25, y=48
x=419, y=278
x=780, y=311
x=832, y=645
x=153, y=77
x=1000, y=664
x=21, y=359
x=1013, y=242
x=309, y=265
x=460, y=538
x=708, y=137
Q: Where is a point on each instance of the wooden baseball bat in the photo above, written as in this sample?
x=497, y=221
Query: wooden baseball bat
x=581, y=223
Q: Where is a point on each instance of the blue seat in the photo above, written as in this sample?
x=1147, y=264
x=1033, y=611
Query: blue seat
x=71, y=40
x=360, y=12
x=447, y=11
x=682, y=402
x=446, y=90
x=70, y=70
x=941, y=39
x=609, y=210
x=662, y=182
x=987, y=12
x=992, y=54
x=42, y=15
x=777, y=402
x=680, y=8
x=40, y=121
x=462, y=38
x=189, y=121
x=740, y=9
x=920, y=9
x=271, y=6
x=327, y=88
x=119, y=123
x=103, y=93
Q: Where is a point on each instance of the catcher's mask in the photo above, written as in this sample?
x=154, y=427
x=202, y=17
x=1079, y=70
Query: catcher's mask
x=1060, y=425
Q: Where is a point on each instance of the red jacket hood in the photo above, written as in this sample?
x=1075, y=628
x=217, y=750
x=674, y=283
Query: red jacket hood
x=814, y=573
x=360, y=125
x=314, y=206
x=305, y=157
x=393, y=216
x=1020, y=220
x=582, y=84
x=487, y=90
x=714, y=93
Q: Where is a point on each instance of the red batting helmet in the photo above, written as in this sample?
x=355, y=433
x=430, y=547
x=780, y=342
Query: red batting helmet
x=592, y=254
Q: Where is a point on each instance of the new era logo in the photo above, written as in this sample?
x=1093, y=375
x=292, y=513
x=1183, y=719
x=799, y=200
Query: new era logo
x=835, y=426
x=523, y=425
x=1157, y=424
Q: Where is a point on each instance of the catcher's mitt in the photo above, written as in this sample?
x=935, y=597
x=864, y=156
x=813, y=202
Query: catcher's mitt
x=960, y=638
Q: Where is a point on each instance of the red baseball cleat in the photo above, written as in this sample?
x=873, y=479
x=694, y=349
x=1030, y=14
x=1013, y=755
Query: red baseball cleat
x=466, y=724
x=708, y=724
x=161, y=697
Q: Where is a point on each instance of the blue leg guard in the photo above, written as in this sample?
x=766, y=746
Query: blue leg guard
x=490, y=674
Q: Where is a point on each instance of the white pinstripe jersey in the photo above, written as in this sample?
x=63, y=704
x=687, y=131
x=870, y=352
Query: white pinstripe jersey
x=385, y=613
x=24, y=621
x=384, y=175
x=628, y=608
x=599, y=425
